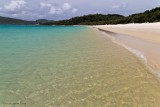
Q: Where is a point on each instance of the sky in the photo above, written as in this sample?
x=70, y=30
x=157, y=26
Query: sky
x=64, y=9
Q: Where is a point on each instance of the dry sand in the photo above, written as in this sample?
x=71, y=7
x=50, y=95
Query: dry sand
x=141, y=39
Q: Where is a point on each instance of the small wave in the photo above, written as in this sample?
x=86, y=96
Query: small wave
x=137, y=53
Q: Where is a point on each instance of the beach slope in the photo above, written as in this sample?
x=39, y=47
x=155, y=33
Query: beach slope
x=139, y=38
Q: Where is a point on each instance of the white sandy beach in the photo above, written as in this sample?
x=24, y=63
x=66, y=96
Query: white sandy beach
x=143, y=38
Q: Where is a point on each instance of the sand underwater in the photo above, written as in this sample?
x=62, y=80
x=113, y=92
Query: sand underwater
x=51, y=66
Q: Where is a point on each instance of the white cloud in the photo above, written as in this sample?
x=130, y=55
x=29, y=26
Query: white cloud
x=124, y=5
x=43, y=5
x=23, y=12
x=15, y=5
x=55, y=10
x=66, y=6
x=14, y=15
x=51, y=8
x=30, y=10
x=74, y=10
x=115, y=7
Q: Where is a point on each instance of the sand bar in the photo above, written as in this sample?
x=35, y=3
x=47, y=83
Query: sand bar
x=143, y=38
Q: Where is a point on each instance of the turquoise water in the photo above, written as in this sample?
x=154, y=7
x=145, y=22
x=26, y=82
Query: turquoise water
x=24, y=48
x=21, y=43
x=74, y=66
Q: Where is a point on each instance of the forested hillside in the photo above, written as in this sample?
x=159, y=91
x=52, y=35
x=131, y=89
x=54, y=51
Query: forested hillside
x=92, y=19
x=99, y=19
x=6, y=20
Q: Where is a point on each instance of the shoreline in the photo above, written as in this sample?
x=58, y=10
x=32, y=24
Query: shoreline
x=135, y=38
x=135, y=52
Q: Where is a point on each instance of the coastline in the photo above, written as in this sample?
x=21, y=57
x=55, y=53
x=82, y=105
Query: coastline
x=134, y=51
x=143, y=40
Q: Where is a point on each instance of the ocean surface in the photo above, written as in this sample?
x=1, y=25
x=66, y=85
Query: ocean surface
x=74, y=66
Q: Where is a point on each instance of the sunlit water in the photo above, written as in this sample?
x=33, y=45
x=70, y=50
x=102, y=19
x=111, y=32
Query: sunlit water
x=70, y=67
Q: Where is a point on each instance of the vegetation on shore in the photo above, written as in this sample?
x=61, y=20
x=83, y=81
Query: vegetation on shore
x=93, y=19
x=6, y=20
x=99, y=19
x=147, y=16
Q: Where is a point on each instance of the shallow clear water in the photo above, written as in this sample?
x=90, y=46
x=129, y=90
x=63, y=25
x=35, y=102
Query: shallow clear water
x=42, y=66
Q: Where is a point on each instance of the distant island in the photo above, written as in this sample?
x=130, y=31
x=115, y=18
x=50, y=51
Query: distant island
x=93, y=19
x=6, y=20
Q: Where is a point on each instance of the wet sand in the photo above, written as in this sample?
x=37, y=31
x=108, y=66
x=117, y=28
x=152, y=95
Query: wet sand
x=141, y=39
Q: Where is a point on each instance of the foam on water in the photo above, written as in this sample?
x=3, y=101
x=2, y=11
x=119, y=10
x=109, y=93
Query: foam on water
x=136, y=52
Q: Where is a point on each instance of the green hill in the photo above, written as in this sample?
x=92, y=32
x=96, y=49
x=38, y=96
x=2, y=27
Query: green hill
x=147, y=16
x=99, y=19
x=92, y=19
x=6, y=20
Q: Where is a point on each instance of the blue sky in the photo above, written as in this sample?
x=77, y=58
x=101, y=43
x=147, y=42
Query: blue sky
x=62, y=9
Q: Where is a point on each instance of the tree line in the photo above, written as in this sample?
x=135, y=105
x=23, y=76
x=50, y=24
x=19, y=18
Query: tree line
x=100, y=19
